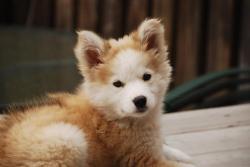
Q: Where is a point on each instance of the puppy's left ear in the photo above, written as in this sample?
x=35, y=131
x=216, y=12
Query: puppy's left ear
x=151, y=35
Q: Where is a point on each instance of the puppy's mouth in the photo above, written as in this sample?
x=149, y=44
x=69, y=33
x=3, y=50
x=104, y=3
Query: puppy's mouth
x=137, y=113
x=142, y=110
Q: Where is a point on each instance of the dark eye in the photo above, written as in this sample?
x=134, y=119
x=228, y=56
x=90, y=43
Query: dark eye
x=118, y=84
x=146, y=77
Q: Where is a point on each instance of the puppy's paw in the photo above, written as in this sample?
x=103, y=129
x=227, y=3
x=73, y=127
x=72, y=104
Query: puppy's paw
x=176, y=155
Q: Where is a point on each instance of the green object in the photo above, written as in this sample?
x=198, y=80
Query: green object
x=198, y=89
x=35, y=61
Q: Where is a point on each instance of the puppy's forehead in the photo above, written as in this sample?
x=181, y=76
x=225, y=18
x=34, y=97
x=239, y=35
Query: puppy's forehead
x=126, y=41
x=129, y=62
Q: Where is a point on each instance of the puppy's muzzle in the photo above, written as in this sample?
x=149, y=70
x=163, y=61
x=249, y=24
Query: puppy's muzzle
x=140, y=103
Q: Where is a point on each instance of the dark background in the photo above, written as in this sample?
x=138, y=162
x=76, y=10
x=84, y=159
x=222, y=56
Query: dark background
x=37, y=37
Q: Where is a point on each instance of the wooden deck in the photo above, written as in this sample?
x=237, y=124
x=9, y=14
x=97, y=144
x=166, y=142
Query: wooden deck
x=217, y=137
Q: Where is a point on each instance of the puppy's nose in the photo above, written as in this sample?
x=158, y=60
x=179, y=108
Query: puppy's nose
x=140, y=102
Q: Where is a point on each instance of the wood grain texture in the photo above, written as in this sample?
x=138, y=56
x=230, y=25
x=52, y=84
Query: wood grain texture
x=230, y=158
x=218, y=140
x=64, y=14
x=137, y=11
x=206, y=119
x=40, y=13
x=87, y=14
x=244, y=49
x=187, y=40
x=213, y=137
x=220, y=34
x=20, y=11
x=112, y=14
x=164, y=10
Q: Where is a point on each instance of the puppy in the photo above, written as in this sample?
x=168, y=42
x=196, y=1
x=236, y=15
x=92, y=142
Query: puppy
x=113, y=118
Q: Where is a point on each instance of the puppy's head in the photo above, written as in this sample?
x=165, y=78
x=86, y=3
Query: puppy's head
x=127, y=77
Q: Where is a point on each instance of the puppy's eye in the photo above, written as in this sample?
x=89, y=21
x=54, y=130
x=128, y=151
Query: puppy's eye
x=118, y=84
x=146, y=77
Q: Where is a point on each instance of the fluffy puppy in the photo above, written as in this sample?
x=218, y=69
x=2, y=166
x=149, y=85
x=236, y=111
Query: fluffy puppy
x=112, y=120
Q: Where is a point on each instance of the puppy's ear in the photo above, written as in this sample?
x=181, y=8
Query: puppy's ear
x=89, y=49
x=151, y=35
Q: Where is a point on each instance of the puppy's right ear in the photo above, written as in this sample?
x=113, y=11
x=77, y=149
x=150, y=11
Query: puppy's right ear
x=89, y=49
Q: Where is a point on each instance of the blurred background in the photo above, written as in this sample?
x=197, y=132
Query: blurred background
x=37, y=37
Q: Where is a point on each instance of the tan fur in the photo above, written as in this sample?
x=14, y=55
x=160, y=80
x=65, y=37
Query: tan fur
x=107, y=139
x=125, y=142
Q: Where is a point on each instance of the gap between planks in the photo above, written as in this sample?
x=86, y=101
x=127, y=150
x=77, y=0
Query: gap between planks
x=231, y=158
x=211, y=141
x=206, y=119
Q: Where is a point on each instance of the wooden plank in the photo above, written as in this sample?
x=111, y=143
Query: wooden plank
x=206, y=119
x=244, y=50
x=111, y=18
x=40, y=13
x=164, y=9
x=220, y=34
x=64, y=14
x=232, y=158
x=211, y=141
x=87, y=14
x=137, y=11
x=188, y=40
x=20, y=11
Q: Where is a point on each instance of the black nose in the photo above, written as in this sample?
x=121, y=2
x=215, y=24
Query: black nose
x=140, y=102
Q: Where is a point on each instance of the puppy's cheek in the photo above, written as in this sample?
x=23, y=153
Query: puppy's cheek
x=127, y=106
x=151, y=101
x=155, y=89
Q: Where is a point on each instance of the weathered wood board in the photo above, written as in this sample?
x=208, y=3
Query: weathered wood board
x=217, y=137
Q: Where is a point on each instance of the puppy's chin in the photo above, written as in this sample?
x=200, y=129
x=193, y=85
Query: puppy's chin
x=134, y=114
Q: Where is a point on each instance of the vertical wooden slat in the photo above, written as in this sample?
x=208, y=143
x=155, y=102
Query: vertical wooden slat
x=163, y=9
x=5, y=12
x=87, y=14
x=20, y=11
x=244, y=48
x=40, y=13
x=188, y=40
x=64, y=14
x=137, y=11
x=111, y=18
x=220, y=34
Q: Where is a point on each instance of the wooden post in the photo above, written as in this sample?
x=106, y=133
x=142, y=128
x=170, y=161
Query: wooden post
x=20, y=11
x=137, y=11
x=188, y=40
x=244, y=49
x=220, y=35
x=112, y=25
x=87, y=14
x=163, y=9
x=64, y=14
x=40, y=13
